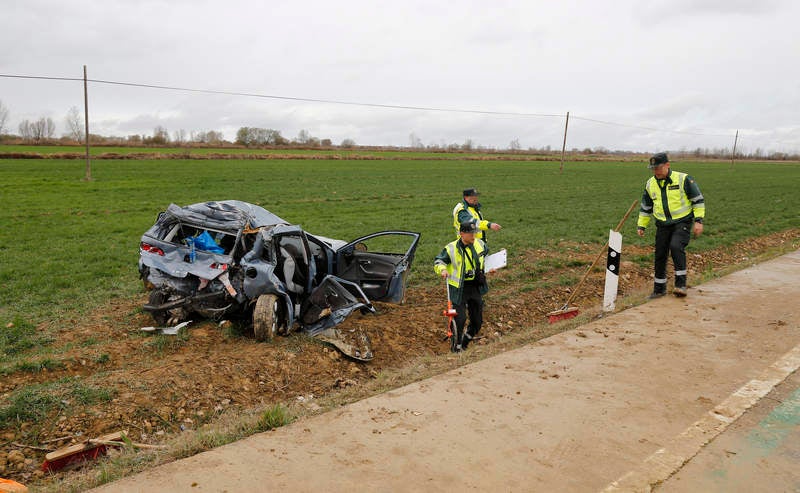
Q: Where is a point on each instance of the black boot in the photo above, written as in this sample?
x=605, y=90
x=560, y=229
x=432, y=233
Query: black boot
x=659, y=290
x=466, y=340
x=680, y=286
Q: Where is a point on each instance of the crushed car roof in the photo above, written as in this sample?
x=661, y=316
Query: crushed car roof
x=225, y=214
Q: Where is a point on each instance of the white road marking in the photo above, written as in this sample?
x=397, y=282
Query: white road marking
x=666, y=461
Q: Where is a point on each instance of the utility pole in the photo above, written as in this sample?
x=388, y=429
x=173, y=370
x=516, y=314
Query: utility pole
x=88, y=176
x=564, y=145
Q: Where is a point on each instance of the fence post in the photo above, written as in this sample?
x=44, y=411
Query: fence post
x=564, y=145
x=88, y=176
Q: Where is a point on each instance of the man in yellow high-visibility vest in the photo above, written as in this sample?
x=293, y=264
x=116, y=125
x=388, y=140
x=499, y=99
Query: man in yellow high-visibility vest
x=461, y=263
x=469, y=210
x=674, y=200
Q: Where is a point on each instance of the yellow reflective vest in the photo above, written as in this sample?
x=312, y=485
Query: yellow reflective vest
x=671, y=200
x=457, y=259
x=460, y=212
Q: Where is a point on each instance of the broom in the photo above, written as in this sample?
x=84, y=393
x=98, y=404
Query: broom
x=566, y=311
x=87, y=450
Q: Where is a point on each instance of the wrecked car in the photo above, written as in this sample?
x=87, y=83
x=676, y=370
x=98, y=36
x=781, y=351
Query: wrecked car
x=234, y=259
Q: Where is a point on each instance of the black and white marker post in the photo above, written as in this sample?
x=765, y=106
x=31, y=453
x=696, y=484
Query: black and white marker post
x=612, y=270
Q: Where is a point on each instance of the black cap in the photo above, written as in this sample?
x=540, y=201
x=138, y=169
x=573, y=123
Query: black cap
x=658, y=159
x=468, y=227
x=471, y=192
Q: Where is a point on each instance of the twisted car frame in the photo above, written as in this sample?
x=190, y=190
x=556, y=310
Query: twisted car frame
x=233, y=259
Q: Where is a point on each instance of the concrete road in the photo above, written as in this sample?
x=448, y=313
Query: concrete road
x=648, y=397
x=758, y=452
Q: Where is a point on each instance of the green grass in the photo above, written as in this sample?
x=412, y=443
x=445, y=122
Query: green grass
x=34, y=402
x=47, y=150
x=161, y=343
x=67, y=246
x=17, y=335
x=29, y=404
x=274, y=417
x=46, y=364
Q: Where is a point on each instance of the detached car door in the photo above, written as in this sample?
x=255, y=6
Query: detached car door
x=379, y=263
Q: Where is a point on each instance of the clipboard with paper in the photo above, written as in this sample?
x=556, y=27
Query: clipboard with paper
x=495, y=261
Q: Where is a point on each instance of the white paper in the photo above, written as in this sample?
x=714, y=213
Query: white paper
x=495, y=261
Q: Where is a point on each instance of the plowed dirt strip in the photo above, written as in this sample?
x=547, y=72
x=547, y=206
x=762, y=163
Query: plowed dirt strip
x=572, y=412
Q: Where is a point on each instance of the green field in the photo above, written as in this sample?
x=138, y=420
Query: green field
x=67, y=246
x=199, y=152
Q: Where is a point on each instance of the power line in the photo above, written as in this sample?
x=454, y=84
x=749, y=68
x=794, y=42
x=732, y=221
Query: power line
x=292, y=98
x=683, y=132
x=364, y=104
x=38, y=77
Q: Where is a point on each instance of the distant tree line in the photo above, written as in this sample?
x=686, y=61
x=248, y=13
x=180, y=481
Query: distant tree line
x=42, y=131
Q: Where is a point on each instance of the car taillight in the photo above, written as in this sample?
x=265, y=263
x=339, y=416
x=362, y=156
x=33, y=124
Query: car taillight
x=219, y=266
x=147, y=247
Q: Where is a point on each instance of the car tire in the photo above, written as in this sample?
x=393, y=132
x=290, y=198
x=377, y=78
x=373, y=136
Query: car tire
x=166, y=317
x=266, y=317
x=158, y=297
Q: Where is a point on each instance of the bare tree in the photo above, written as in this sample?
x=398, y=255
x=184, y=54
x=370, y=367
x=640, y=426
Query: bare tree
x=215, y=137
x=3, y=117
x=303, y=137
x=275, y=137
x=41, y=129
x=210, y=137
x=514, y=145
x=26, y=130
x=348, y=143
x=160, y=136
x=179, y=136
x=74, y=121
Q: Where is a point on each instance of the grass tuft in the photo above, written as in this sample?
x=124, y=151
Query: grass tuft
x=35, y=402
x=17, y=336
x=274, y=417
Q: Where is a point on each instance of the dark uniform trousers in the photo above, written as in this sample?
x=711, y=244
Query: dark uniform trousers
x=672, y=240
x=472, y=302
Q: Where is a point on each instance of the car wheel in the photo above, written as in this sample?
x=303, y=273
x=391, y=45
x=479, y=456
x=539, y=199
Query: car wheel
x=158, y=297
x=266, y=317
x=166, y=317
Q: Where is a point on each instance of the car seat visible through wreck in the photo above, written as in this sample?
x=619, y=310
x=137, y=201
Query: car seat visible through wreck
x=295, y=265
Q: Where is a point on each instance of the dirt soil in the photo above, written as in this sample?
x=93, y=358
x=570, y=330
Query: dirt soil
x=163, y=384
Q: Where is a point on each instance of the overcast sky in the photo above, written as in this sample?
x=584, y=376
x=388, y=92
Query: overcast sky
x=667, y=75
